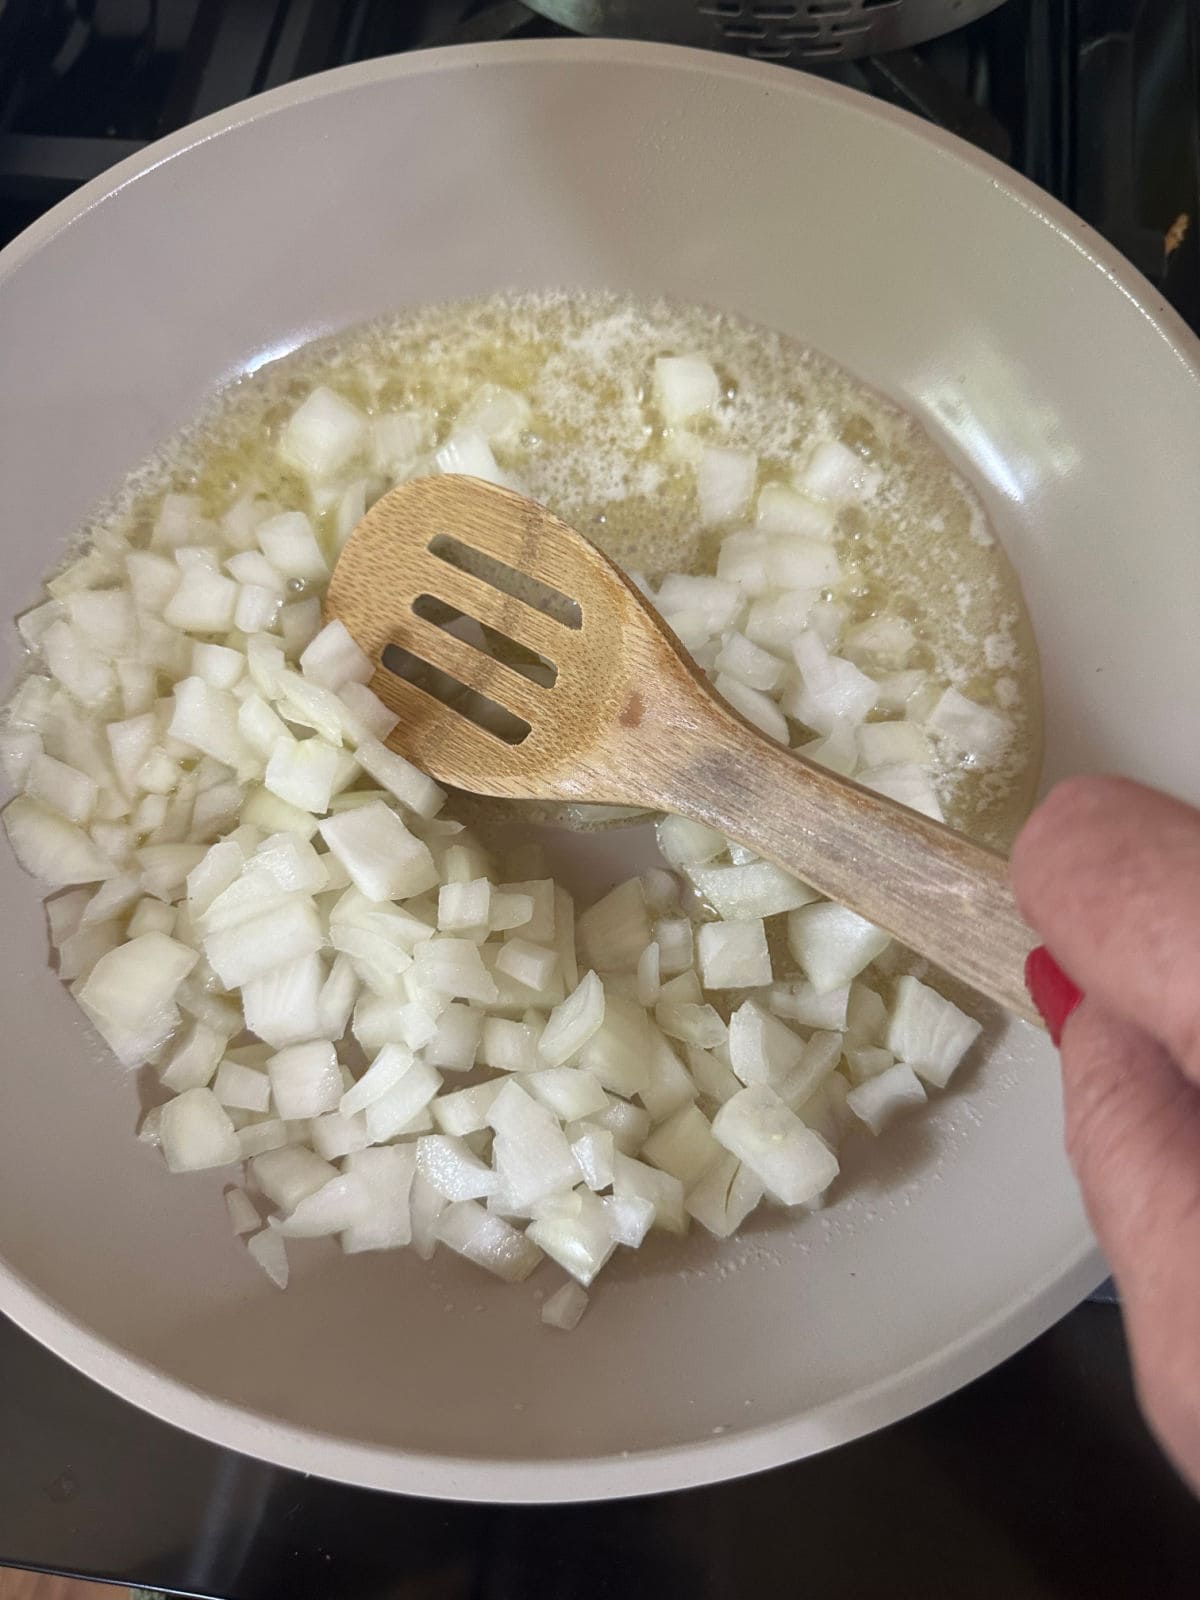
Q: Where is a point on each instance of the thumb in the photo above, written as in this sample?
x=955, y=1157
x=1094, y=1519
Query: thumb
x=1133, y=1135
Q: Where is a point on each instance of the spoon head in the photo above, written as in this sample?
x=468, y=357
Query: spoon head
x=513, y=651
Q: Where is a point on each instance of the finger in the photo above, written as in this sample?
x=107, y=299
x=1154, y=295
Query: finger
x=1133, y=1133
x=1108, y=872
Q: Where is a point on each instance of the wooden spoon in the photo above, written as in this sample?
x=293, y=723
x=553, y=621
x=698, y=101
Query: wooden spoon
x=629, y=720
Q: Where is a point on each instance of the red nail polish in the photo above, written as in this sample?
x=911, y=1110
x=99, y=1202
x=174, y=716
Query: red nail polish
x=1053, y=992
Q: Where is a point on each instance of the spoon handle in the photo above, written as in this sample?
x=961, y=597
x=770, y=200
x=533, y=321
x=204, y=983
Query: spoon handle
x=932, y=888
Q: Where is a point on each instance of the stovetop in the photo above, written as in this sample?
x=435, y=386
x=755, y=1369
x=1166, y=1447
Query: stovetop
x=1039, y=1480
x=1095, y=100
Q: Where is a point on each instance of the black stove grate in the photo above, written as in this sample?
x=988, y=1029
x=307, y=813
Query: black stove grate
x=1095, y=100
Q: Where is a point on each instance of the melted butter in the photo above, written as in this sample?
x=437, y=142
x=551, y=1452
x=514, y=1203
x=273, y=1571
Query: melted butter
x=596, y=454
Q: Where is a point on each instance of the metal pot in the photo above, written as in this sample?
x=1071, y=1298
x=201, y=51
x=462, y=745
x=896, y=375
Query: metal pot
x=794, y=31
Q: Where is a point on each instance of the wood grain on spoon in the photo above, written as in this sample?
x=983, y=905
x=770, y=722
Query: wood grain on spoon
x=630, y=720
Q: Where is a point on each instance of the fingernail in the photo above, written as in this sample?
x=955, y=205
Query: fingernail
x=1052, y=991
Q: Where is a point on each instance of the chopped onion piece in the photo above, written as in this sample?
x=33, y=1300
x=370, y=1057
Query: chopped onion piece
x=305, y=1080
x=760, y=889
x=242, y=1087
x=580, y=1244
x=683, y=1145
x=385, y=861
x=290, y=1174
x=564, y=1308
x=334, y=660
x=877, y=1100
x=833, y=945
x=243, y=1213
x=342, y=1203
x=408, y=783
x=269, y=1251
x=724, y=483
x=451, y=1168
x=734, y=955
x=195, y=1132
x=54, y=851
x=323, y=435
x=928, y=1032
x=787, y=1157
x=467, y=451
x=761, y=1048
x=724, y=1197
x=392, y=1183
x=488, y=1241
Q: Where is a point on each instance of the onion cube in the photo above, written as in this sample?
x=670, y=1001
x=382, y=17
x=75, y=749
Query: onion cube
x=242, y=1087
x=531, y=964
x=928, y=1032
x=290, y=545
x=454, y=967
x=54, y=851
x=385, y=861
x=466, y=1110
x=456, y=1039
x=800, y=1002
x=243, y=1213
x=734, y=955
x=683, y=1145
x=488, y=1241
x=403, y=1102
x=580, y=1244
x=877, y=1100
x=565, y=1307
x=628, y=1124
x=782, y=510
x=725, y=483
x=289, y=1175
x=451, y=1168
x=305, y=1080
x=195, y=1132
x=670, y=1086
x=634, y=1180
x=530, y=1152
x=724, y=1197
x=463, y=907
x=568, y=1092
x=684, y=843
x=334, y=1136
x=594, y=1150
x=269, y=1251
x=833, y=945
x=323, y=435
x=280, y=935
x=761, y=1048
x=833, y=472
x=388, y=1175
x=759, y=889
x=788, y=1158
x=977, y=732
x=508, y=1046
x=630, y=1218
x=822, y=1053
x=684, y=386
x=333, y=659
x=195, y=1059
x=412, y=787
x=617, y=1052
x=467, y=451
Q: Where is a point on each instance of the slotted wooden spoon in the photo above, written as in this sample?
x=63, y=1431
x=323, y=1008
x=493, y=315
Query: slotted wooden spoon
x=631, y=721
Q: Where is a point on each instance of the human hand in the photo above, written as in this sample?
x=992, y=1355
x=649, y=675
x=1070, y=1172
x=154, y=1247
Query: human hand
x=1108, y=873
